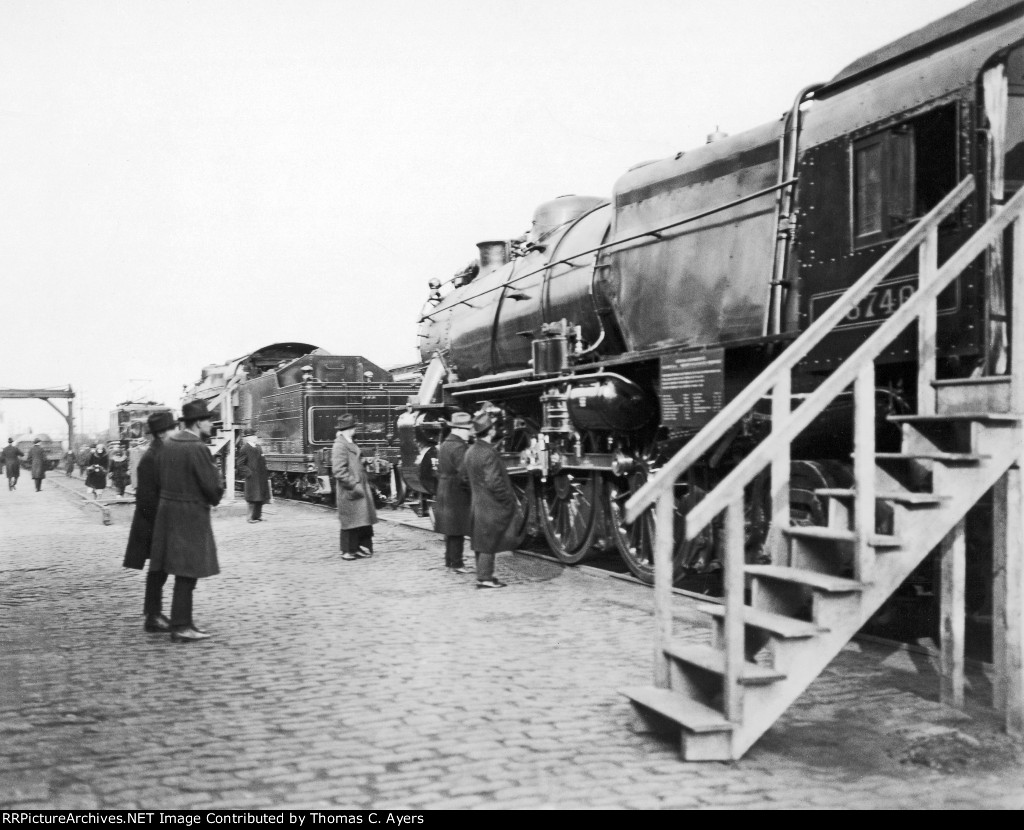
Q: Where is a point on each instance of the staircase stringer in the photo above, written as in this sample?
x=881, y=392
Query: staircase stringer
x=922, y=532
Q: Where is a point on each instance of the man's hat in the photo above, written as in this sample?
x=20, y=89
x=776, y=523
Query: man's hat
x=195, y=411
x=461, y=420
x=160, y=422
x=482, y=423
x=10, y=440
x=346, y=421
x=247, y=432
x=37, y=441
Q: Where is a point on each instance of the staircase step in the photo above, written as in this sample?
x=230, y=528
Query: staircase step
x=688, y=713
x=712, y=660
x=898, y=496
x=778, y=624
x=876, y=540
x=999, y=417
x=943, y=457
x=812, y=579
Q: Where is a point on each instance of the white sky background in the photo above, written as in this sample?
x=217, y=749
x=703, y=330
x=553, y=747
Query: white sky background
x=183, y=181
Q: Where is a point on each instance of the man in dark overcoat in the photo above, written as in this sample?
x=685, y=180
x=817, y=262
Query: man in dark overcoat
x=10, y=457
x=356, y=510
x=37, y=463
x=251, y=467
x=69, y=462
x=497, y=517
x=183, y=543
x=140, y=537
x=452, y=505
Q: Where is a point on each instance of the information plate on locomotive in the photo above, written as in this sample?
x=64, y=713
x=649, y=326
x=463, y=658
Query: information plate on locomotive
x=691, y=389
x=882, y=302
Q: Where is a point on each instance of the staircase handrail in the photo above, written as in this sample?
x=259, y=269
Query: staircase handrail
x=754, y=392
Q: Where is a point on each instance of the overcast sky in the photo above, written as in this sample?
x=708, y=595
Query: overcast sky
x=182, y=181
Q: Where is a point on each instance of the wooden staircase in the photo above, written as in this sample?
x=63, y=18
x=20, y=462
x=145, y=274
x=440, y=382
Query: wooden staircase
x=824, y=583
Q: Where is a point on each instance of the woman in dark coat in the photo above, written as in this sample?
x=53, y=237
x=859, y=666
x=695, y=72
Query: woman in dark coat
x=96, y=469
x=356, y=510
x=497, y=515
x=251, y=467
x=140, y=537
x=10, y=456
x=452, y=505
x=119, y=475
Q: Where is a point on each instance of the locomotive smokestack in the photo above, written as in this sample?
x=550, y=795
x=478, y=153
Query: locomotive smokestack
x=492, y=256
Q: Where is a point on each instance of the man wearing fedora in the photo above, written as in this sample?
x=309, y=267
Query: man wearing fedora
x=183, y=543
x=140, y=537
x=497, y=516
x=356, y=510
x=451, y=508
x=10, y=458
x=37, y=463
x=251, y=467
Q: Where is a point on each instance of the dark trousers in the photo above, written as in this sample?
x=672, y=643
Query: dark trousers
x=453, y=547
x=154, y=601
x=181, y=603
x=484, y=567
x=39, y=484
x=357, y=537
x=255, y=510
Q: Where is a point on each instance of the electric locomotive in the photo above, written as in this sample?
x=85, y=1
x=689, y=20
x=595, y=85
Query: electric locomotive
x=618, y=327
x=291, y=395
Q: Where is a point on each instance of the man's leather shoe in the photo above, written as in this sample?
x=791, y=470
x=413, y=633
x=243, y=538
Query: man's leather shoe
x=461, y=569
x=189, y=635
x=157, y=624
x=490, y=583
x=364, y=554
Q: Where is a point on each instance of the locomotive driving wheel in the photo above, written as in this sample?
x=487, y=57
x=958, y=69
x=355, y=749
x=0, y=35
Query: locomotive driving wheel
x=635, y=542
x=569, y=508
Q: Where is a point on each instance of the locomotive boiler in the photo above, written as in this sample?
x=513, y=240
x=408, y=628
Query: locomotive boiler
x=617, y=327
x=291, y=395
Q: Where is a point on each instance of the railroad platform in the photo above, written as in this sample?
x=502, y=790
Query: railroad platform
x=390, y=683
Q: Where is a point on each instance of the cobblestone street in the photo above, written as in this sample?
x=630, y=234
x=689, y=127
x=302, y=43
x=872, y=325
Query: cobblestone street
x=389, y=683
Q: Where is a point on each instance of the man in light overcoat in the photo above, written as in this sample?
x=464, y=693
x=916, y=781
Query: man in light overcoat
x=356, y=510
x=183, y=543
x=251, y=467
x=452, y=505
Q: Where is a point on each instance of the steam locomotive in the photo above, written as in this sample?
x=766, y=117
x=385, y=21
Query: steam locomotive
x=291, y=395
x=617, y=327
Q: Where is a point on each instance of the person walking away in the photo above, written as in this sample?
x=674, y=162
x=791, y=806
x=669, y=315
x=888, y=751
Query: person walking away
x=140, y=537
x=37, y=463
x=251, y=468
x=69, y=462
x=9, y=458
x=497, y=516
x=452, y=505
x=356, y=510
x=119, y=475
x=183, y=543
x=96, y=469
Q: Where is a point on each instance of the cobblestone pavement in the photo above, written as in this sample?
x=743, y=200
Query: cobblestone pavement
x=389, y=683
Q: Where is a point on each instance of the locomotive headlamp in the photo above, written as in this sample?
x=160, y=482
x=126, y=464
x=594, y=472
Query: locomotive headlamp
x=434, y=284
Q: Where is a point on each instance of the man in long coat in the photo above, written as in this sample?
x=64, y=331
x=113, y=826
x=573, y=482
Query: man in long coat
x=140, y=537
x=183, y=543
x=356, y=510
x=10, y=456
x=251, y=467
x=452, y=505
x=497, y=516
x=37, y=463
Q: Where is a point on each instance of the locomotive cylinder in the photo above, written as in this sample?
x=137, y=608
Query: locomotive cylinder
x=615, y=404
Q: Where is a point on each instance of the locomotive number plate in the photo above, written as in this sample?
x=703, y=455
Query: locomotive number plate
x=881, y=303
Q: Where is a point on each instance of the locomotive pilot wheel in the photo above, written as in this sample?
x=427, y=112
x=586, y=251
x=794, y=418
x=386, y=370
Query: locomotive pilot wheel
x=569, y=505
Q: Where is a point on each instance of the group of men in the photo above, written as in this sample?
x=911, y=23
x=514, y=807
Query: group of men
x=10, y=459
x=475, y=497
